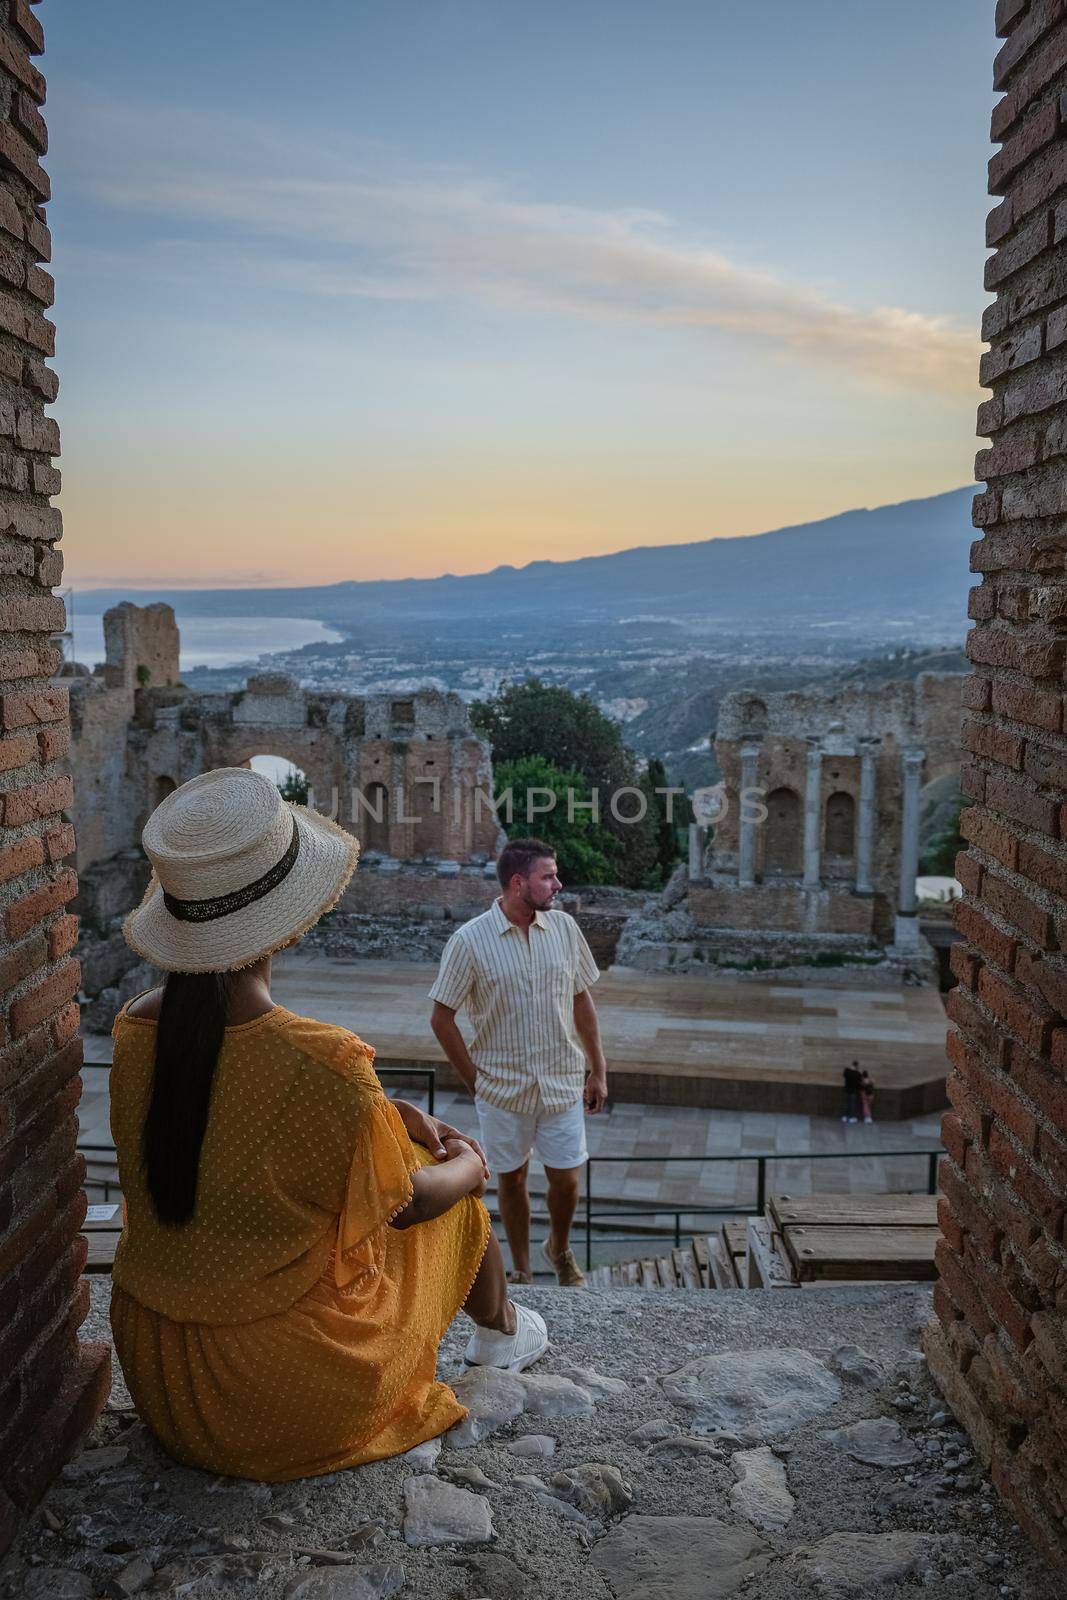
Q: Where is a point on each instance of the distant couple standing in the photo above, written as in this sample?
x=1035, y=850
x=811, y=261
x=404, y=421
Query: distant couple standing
x=535, y=1063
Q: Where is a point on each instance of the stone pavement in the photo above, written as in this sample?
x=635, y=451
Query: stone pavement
x=656, y=1132
x=679, y=1446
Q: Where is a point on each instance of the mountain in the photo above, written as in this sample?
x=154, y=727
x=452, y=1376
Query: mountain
x=900, y=569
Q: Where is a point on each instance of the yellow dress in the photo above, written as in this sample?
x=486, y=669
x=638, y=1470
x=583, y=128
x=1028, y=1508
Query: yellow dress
x=286, y=1330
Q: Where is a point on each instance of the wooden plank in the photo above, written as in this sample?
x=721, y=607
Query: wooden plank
x=765, y=1267
x=852, y=1210
x=649, y=1277
x=895, y=1253
x=723, y=1267
x=631, y=1274
x=101, y=1257
x=687, y=1269
x=665, y=1267
x=700, y=1250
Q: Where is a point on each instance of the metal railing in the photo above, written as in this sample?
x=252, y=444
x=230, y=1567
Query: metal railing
x=656, y=1208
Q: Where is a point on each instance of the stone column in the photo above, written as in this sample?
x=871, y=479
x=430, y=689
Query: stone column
x=813, y=819
x=746, y=860
x=865, y=821
x=697, y=844
x=907, y=929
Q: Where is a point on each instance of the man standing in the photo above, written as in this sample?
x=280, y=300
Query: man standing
x=535, y=1064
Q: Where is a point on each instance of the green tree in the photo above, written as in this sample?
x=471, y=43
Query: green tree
x=535, y=719
x=583, y=849
x=671, y=820
x=939, y=858
x=294, y=786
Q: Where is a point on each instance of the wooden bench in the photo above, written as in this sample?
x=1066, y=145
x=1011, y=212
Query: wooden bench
x=856, y=1238
x=103, y=1229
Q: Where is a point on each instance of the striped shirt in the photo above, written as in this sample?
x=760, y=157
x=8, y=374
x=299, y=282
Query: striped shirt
x=519, y=995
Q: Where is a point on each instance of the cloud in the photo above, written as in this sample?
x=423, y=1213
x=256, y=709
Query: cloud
x=366, y=225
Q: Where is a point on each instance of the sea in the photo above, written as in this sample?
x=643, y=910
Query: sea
x=214, y=641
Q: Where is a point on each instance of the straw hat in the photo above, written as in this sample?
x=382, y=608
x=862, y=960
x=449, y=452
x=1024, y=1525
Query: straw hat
x=237, y=873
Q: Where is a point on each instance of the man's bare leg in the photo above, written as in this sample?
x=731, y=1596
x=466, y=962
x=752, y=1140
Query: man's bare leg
x=564, y=1184
x=487, y=1304
x=515, y=1214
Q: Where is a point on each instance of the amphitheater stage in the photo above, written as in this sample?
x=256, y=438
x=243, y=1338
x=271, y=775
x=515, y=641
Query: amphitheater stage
x=749, y=1044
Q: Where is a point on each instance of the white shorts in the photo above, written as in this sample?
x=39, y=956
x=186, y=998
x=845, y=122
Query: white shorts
x=508, y=1136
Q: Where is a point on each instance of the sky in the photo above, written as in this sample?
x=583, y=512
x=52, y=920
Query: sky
x=388, y=288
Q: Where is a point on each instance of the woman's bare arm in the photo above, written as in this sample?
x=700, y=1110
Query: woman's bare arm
x=436, y=1189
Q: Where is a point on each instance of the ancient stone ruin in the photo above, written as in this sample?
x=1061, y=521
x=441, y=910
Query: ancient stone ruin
x=408, y=776
x=809, y=846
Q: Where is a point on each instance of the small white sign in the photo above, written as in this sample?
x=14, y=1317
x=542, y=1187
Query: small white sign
x=100, y=1213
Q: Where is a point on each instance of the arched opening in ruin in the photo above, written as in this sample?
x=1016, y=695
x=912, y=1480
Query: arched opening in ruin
x=289, y=778
x=784, y=834
x=840, y=836
x=160, y=784
x=372, y=819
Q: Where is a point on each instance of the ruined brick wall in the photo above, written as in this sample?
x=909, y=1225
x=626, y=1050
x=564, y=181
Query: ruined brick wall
x=999, y=1346
x=50, y=1386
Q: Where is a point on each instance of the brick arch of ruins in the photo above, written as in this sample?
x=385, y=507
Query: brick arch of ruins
x=998, y=1345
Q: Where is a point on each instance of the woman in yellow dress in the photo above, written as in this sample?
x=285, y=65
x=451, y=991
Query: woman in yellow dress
x=295, y=1243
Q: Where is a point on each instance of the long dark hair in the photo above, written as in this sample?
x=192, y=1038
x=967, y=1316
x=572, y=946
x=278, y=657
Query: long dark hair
x=189, y=1037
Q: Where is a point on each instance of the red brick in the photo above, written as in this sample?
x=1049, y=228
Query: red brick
x=991, y=837
x=20, y=857
x=1028, y=1019
x=32, y=614
x=1047, y=1089
x=1007, y=15
x=997, y=945
x=1026, y=1182
x=995, y=743
x=994, y=647
x=953, y=1137
x=17, y=155
x=17, y=753
x=38, y=432
x=30, y=122
x=1046, y=976
x=1025, y=243
x=59, y=842
x=18, y=664
x=972, y=781
x=960, y=1008
x=982, y=603
x=969, y=1213
x=27, y=24
x=1017, y=908
x=960, y=1288
x=949, y=1226
x=23, y=708
x=1038, y=708
x=18, y=1241
x=40, y=241
x=43, y=799
x=974, y=1116
x=62, y=937
x=1012, y=1316
x=49, y=996
x=31, y=908
x=965, y=964
x=1038, y=130
x=22, y=962
x=81, y=1397
x=985, y=510
x=975, y=694
x=36, y=376
x=1013, y=455
x=1015, y=799
x=53, y=743
x=990, y=417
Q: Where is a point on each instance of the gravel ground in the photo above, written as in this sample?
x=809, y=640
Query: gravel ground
x=744, y=1474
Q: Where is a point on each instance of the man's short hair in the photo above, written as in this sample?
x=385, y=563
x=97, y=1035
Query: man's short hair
x=519, y=855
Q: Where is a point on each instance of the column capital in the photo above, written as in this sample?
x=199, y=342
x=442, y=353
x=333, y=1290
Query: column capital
x=750, y=749
x=912, y=759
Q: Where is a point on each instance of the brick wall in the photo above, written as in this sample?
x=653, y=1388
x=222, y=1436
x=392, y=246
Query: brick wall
x=50, y=1385
x=999, y=1345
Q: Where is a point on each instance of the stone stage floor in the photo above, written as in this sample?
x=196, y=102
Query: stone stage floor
x=737, y=1043
x=848, y=1158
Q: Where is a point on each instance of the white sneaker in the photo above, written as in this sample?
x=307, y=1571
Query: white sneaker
x=511, y=1351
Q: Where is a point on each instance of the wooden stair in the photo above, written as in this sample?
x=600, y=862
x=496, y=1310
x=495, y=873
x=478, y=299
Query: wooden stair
x=799, y=1242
